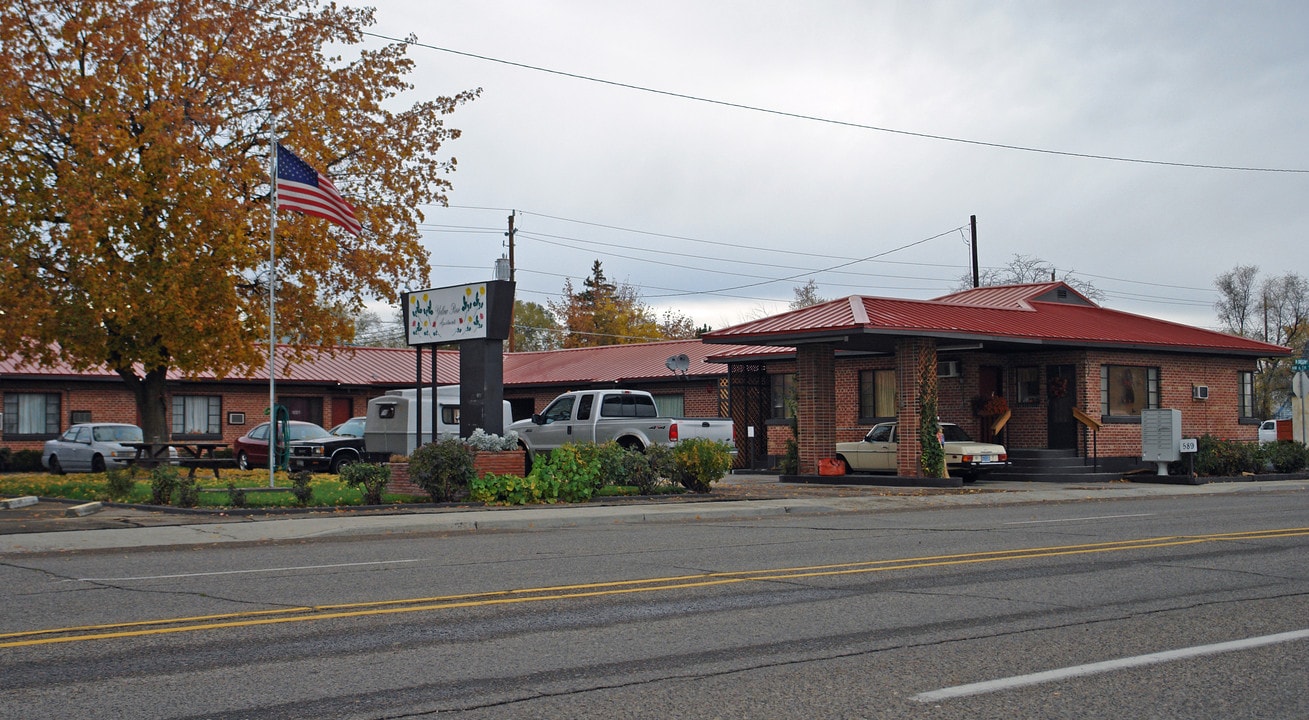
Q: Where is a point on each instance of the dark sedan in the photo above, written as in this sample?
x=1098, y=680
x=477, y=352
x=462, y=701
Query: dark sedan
x=252, y=448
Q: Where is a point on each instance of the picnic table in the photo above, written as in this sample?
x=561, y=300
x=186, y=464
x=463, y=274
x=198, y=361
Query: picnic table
x=191, y=454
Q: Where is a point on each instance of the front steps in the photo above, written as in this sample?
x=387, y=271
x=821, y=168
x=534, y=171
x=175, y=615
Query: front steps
x=1037, y=465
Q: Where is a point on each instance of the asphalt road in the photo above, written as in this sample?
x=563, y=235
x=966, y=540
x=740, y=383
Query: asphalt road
x=1065, y=606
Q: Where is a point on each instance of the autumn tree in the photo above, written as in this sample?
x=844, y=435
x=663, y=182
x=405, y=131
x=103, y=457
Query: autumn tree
x=134, y=182
x=535, y=328
x=603, y=313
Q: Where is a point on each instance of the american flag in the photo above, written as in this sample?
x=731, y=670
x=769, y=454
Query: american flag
x=302, y=188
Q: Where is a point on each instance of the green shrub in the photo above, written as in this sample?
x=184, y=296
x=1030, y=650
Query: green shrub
x=6, y=459
x=120, y=483
x=575, y=468
x=235, y=495
x=647, y=471
x=443, y=469
x=300, y=487
x=163, y=481
x=188, y=494
x=700, y=462
x=1285, y=456
x=370, y=478
x=26, y=461
x=790, y=463
x=512, y=489
x=1226, y=458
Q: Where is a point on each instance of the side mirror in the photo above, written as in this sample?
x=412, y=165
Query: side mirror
x=538, y=419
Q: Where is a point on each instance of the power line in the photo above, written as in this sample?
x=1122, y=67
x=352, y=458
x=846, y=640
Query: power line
x=832, y=121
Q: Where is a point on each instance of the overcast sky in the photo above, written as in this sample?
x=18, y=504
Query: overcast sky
x=719, y=211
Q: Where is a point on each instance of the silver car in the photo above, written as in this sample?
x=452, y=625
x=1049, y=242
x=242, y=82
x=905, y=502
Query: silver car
x=91, y=447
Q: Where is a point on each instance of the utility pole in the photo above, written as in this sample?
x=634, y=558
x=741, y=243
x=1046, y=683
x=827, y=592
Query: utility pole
x=511, y=232
x=972, y=222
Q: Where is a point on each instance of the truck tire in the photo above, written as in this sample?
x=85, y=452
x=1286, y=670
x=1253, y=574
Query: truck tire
x=527, y=457
x=632, y=444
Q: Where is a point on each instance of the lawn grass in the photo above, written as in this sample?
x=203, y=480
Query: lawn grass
x=88, y=487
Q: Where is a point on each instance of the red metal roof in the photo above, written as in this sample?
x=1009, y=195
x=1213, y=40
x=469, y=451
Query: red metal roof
x=1020, y=314
x=608, y=364
x=369, y=366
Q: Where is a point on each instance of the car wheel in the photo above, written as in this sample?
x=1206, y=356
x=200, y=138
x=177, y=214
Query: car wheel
x=845, y=464
x=55, y=467
x=334, y=467
x=243, y=460
x=971, y=477
x=98, y=464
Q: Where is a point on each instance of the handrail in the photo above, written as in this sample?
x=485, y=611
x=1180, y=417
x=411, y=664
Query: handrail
x=1000, y=421
x=1086, y=420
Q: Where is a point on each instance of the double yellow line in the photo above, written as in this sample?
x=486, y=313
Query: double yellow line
x=307, y=613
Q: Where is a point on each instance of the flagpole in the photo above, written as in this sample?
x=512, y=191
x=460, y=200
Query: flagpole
x=272, y=303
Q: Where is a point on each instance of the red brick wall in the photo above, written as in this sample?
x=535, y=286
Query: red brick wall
x=815, y=402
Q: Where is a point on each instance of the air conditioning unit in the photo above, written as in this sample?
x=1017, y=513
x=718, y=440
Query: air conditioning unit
x=1200, y=392
x=948, y=368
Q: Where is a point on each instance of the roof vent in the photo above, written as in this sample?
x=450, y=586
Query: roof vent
x=1062, y=293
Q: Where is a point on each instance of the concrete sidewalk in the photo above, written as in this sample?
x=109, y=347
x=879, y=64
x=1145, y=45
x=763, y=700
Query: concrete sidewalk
x=736, y=498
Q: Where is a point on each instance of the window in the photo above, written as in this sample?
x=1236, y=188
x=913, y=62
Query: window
x=627, y=406
x=31, y=414
x=80, y=416
x=782, y=394
x=197, y=415
x=584, y=407
x=560, y=410
x=670, y=405
x=1028, y=383
x=1126, y=391
x=450, y=414
x=1246, y=395
x=877, y=394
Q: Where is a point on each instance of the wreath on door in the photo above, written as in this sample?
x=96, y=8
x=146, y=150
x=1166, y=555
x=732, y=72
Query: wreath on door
x=1058, y=387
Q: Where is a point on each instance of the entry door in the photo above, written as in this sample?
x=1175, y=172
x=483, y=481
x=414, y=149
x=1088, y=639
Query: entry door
x=1061, y=397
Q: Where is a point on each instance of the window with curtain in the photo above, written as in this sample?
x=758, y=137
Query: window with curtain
x=31, y=414
x=670, y=405
x=1125, y=390
x=877, y=394
x=197, y=414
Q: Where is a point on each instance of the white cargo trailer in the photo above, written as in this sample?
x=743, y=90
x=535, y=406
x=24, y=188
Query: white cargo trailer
x=391, y=425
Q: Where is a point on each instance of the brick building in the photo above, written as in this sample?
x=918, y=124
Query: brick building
x=1070, y=374
x=1048, y=353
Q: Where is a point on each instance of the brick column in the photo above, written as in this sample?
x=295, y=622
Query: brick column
x=815, y=404
x=910, y=353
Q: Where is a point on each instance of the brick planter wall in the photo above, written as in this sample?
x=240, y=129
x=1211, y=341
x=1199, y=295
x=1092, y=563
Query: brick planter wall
x=507, y=462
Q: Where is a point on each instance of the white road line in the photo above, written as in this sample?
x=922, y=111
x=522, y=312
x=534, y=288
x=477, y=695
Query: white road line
x=991, y=686
x=1075, y=519
x=242, y=572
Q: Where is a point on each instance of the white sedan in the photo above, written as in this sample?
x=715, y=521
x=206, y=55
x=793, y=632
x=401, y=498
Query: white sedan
x=963, y=456
x=91, y=447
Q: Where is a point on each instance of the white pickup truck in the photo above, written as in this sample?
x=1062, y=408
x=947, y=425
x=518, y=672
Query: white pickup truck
x=628, y=417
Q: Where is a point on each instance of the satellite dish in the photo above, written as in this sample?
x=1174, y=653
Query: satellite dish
x=683, y=363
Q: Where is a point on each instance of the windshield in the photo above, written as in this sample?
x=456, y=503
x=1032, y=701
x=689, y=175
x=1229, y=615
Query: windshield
x=954, y=433
x=307, y=431
x=117, y=433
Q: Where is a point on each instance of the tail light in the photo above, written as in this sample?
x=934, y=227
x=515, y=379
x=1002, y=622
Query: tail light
x=672, y=432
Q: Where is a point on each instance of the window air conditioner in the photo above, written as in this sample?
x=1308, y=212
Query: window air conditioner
x=947, y=369
x=1200, y=392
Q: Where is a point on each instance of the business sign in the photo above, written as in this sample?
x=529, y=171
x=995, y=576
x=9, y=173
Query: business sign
x=1300, y=365
x=460, y=312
